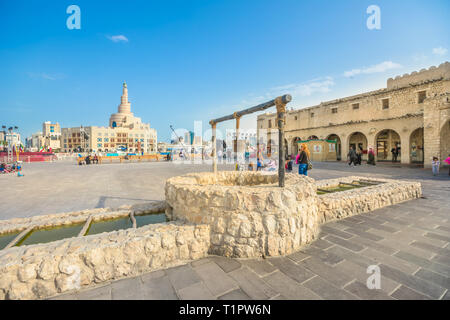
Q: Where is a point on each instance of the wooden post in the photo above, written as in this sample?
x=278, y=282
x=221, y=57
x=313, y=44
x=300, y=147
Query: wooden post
x=238, y=118
x=213, y=141
x=281, y=111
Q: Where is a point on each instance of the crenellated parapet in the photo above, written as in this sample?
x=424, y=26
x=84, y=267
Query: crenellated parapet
x=418, y=77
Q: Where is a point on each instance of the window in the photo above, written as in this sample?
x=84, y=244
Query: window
x=312, y=114
x=333, y=110
x=106, y=139
x=99, y=145
x=99, y=139
x=355, y=106
x=270, y=123
x=385, y=104
x=422, y=95
x=295, y=117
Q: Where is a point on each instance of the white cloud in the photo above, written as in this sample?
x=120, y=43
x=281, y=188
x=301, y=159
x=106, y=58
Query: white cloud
x=118, y=38
x=305, y=89
x=381, y=67
x=440, y=51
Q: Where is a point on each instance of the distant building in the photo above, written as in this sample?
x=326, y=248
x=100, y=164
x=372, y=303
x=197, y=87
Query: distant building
x=125, y=132
x=51, y=133
x=411, y=115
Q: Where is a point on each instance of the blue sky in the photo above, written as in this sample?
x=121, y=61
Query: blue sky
x=196, y=60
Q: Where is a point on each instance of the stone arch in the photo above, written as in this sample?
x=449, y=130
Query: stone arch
x=386, y=140
x=416, y=146
x=445, y=142
x=295, y=145
x=336, y=138
x=313, y=137
x=358, y=140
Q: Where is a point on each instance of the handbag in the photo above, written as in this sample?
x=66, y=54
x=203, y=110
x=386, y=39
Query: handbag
x=309, y=164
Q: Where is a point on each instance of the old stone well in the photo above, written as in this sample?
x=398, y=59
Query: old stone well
x=248, y=214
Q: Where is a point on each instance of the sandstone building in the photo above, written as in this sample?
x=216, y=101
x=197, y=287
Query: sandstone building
x=412, y=112
x=125, y=132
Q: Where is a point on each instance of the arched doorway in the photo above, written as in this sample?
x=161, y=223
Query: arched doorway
x=335, y=137
x=313, y=137
x=387, y=140
x=271, y=147
x=445, y=142
x=295, y=145
x=416, y=146
x=358, y=141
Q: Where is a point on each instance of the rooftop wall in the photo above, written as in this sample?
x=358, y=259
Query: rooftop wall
x=432, y=74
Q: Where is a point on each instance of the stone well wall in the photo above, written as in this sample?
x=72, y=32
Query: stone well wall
x=248, y=213
x=43, y=270
x=68, y=218
x=338, y=205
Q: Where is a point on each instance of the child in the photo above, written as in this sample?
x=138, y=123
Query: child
x=435, y=166
x=288, y=165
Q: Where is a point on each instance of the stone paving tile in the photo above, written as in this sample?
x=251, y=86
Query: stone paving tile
x=199, y=262
x=376, y=245
x=351, y=256
x=66, y=296
x=443, y=228
x=321, y=244
x=323, y=255
x=426, y=246
x=345, y=243
x=361, y=290
x=393, y=261
x=352, y=225
x=291, y=269
x=363, y=234
x=127, y=289
x=360, y=273
x=215, y=279
x=401, y=246
x=182, y=276
x=158, y=288
x=441, y=259
x=259, y=266
x=424, y=263
x=227, y=264
x=328, y=291
x=237, y=294
x=298, y=256
x=437, y=236
x=289, y=288
x=153, y=275
x=252, y=284
x=332, y=274
x=415, y=283
x=405, y=293
x=434, y=277
x=98, y=293
x=328, y=229
x=196, y=291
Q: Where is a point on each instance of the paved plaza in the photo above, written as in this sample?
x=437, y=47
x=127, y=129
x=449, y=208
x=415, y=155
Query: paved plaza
x=408, y=241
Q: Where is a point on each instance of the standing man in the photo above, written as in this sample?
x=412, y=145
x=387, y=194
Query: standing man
x=353, y=157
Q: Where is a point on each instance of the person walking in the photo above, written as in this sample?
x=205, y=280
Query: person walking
x=435, y=166
x=448, y=162
x=371, y=157
x=359, y=155
x=353, y=157
x=302, y=159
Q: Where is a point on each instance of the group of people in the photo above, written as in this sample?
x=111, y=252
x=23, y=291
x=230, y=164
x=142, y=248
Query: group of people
x=89, y=159
x=15, y=167
x=355, y=157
